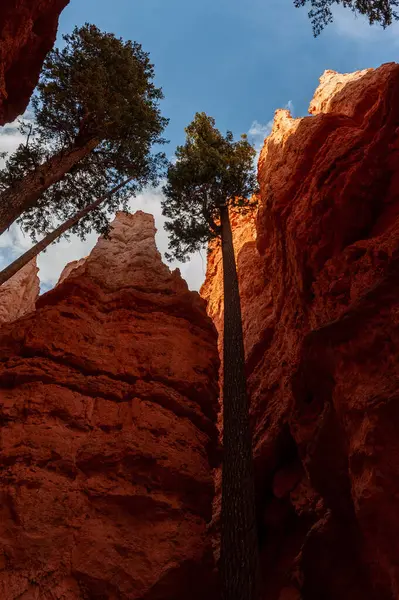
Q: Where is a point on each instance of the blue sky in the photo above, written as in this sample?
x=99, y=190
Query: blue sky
x=238, y=60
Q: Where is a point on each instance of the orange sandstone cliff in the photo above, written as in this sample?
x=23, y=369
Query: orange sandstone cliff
x=108, y=391
x=27, y=32
x=108, y=400
x=19, y=294
x=319, y=282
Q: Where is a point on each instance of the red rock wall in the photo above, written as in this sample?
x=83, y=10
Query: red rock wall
x=19, y=294
x=27, y=32
x=108, y=398
x=320, y=295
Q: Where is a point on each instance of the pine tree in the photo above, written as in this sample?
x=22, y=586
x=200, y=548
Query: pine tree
x=382, y=12
x=212, y=174
x=96, y=117
x=51, y=237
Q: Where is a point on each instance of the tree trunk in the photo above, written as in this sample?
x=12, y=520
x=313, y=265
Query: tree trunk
x=25, y=193
x=22, y=260
x=239, y=544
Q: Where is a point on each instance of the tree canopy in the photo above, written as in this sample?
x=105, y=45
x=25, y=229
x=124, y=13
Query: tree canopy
x=211, y=171
x=382, y=12
x=96, y=94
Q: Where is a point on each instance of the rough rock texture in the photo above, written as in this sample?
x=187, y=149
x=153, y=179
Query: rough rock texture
x=67, y=270
x=320, y=295
x=19, y=294
x=108, y=399
x=27, y=32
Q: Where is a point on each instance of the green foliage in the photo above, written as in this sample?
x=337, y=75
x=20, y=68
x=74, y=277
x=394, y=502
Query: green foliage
x=211, y=171
x=377, y=11
x=74, y=192
x=97, y=87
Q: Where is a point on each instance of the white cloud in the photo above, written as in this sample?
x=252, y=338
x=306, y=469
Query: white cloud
x=10, y=137
x=258, y=130
x=51, y=262
x=290, y=106
x=14, y=242
x=193, y=271
x=257, y=134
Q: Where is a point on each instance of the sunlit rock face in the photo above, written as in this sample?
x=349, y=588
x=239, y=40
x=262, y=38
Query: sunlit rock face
x=319, y=284
x=108, y=401
x=19, y=294
x=67, y=270
x=28, y=30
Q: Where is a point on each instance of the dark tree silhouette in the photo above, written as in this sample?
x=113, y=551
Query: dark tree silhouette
x=51, y=237
x=213, y=173
x=96, y=117
x=382, y=12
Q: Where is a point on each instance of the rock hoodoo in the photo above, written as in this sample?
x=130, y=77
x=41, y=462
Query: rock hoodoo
x=108, y=400
x=27, y=32
x=18, y=296
x=319, y=283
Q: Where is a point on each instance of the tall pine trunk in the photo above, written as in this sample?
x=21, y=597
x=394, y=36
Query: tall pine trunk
x=25, y=193
x=239, y=544
x=22, y=260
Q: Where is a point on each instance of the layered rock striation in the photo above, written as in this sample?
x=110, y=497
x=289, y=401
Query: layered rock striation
x=27, y=32
x=19, y=294
x=108, y=400
x=319, y=284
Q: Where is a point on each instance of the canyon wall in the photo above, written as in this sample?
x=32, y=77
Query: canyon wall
x=319, y=282
x=28, y=30
x=19, y=294
x=108, y=401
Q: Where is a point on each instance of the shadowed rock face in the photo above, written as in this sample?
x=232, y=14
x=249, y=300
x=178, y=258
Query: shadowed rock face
x=19, y=294
x=108, y=400
x=320, y=297
x=27, y=32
